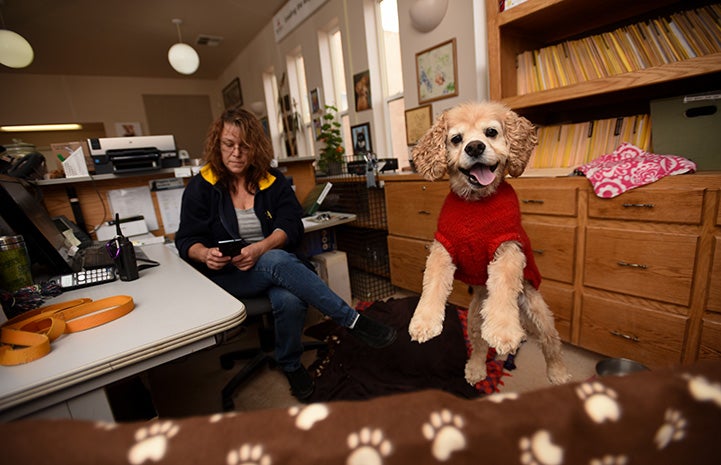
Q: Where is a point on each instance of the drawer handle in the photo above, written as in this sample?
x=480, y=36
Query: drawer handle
x=424, y=212
x=532, y=201
x=539, y=251
x=638, y=205
x=633, y=265
x=625, y=336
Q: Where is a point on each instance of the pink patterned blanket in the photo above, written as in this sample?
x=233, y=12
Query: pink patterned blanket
x=629, y=167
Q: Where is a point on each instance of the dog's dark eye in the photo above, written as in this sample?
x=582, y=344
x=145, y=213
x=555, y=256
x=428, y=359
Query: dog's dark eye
x=456, y=139
x=491, y=132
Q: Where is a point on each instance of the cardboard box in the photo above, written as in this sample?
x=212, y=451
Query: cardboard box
x=688, y=126
x=65, y=149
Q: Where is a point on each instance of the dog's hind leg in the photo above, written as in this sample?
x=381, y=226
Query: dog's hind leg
x=538, y=318
x=476, y=364
x=501, y=326
x=427, y=321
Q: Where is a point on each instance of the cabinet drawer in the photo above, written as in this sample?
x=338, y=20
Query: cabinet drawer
x=655, y=265
x=407, y=263
x=649, y=204
x=554, y=248
x=617, y=329
x=714, y=284
x=710, y=340
x=413, y=207
x=547, y=200
x=560, y=300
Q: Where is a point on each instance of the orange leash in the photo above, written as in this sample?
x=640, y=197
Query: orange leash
x=27, y=337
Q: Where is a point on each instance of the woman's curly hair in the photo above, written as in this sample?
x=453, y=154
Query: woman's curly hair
x=252, y=135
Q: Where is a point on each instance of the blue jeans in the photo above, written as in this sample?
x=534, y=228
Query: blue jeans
x=291, y=286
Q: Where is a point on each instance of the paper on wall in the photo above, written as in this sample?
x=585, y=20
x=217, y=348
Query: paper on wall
x=134, y=201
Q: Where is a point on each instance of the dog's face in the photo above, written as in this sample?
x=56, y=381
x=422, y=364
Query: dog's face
x=477, y=144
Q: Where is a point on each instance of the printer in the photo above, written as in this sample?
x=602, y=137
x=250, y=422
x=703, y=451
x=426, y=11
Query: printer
x=114, y=155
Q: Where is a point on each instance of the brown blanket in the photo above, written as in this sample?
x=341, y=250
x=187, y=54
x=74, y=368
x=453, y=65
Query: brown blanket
x=655, y=417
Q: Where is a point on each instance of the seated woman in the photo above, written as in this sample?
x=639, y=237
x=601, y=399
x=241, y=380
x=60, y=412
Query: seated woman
x=238, y=195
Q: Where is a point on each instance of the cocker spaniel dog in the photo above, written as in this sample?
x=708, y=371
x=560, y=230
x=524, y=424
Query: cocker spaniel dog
x=480, y=240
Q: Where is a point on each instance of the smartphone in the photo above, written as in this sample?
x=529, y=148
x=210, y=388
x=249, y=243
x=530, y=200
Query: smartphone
x=231, y=247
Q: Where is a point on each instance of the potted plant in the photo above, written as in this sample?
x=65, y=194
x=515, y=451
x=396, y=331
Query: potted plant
x=331, y=155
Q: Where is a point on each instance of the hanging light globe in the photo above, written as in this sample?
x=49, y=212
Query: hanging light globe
x=15, y=51
x=183, y=58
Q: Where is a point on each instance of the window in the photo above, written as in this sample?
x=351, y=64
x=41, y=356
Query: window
x=333, y=73
x=300, y=111
x=392, y=72
x=270, y=89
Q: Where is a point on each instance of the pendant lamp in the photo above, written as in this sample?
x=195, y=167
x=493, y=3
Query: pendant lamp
x=182, y=57
x=15, y=51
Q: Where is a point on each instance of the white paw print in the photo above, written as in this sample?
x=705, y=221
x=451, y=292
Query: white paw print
x=539, y=450
x=368, y=447
x=610, y=460
x=152, y=442
x=444, y=429
x=218, y=417
x=307, y=416
x=248, y=454
x=107, y=426
x=673, y=429
x=704, y=390
x=500, y=397
x=599, y=402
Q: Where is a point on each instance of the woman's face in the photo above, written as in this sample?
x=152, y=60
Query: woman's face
x=233, y=151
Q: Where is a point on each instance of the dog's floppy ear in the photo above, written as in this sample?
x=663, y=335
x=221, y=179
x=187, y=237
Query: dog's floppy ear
x=429, y=155
x=521, y=139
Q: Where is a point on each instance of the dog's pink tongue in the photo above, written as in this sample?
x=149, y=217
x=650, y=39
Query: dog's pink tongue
x=483, y=175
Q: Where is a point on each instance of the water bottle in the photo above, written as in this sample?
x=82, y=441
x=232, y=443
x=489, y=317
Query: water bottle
x=14, y=264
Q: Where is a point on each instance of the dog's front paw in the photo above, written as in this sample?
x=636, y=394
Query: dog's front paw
x=505, y=341
x=423, y=329
x=558, y=373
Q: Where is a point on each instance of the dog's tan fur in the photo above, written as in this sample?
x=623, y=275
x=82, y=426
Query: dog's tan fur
x=501, y=310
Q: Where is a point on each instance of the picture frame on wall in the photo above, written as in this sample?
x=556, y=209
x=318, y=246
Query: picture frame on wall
x=317, y=127
x=437, y=72
x=361, y=135
x=266, y=125
x=316, y=103
x=232, y=94
x=418, y=121
x=362, y=89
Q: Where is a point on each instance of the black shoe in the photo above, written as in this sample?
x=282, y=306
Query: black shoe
x=373, y=333
x=301, y=384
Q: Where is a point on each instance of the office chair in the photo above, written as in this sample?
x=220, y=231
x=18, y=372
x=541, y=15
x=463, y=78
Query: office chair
x=258, y=309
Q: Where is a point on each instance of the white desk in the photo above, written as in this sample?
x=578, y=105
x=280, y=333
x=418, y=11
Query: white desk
x=177, y=312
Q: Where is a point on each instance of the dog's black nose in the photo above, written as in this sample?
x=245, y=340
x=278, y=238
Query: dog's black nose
x=475, y=148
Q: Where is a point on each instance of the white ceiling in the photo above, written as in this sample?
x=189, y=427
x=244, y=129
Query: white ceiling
x=132, y=37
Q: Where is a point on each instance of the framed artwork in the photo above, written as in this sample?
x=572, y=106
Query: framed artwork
x=437, y=71
x=362, y=89
x=317, y=125
x=418, y=121
x=361, y=134
x=232, y=95
x=266, y=127
x=315, y=101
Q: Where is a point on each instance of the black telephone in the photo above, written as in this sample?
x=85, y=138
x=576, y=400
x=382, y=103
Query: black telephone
x=30, y=166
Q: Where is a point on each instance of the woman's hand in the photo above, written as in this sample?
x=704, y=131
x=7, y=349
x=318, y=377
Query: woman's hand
x=248, y=256
x=215, y=260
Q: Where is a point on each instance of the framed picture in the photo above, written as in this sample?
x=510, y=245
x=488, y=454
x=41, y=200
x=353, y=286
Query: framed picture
x=266, y=127
x=361, y=134
x=418, y=121
x=317, y=125
x=362, y=89
x=315, y=101
x=232, y=95
x=436, y=71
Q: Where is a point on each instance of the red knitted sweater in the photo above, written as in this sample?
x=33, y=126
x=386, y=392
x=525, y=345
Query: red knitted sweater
x=472, y=231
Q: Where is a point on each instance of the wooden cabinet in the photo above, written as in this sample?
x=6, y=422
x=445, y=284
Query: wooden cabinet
x=636, y=276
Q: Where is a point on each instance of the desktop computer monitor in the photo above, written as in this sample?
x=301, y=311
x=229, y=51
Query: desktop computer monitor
x=23, y=212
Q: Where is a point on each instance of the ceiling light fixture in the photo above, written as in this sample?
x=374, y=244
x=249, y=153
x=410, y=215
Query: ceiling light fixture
x=42, y=127
x=15, y=51
x=426, y=15
x=182, y=57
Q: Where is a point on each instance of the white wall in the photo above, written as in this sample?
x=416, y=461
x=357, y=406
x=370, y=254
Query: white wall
x=59, y=98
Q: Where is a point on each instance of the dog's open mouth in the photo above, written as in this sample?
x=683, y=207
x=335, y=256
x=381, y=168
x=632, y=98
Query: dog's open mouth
x=480, y=174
